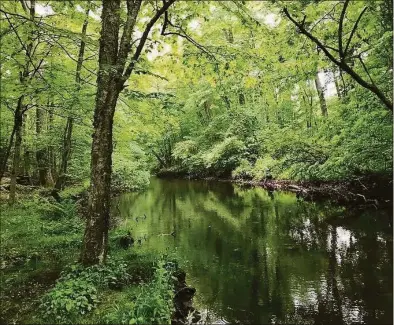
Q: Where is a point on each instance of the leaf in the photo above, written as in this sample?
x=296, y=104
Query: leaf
x=69, y=305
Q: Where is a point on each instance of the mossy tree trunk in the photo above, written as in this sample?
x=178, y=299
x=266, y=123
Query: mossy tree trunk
x=113, y=73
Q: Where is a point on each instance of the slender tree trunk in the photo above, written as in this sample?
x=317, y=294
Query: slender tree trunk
x=18, y=122
x=26, y=165
x=69, y=124
x=65, y=154
x=41, y=152
x=51, y=153
x=7, y=153
x=337, y=86
x=96, y=232
x=320, y=92
x=21, y=108
x=26, y=153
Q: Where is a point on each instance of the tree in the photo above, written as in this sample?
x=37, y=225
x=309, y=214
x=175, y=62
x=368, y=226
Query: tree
x=25, y=76
x=112, y=75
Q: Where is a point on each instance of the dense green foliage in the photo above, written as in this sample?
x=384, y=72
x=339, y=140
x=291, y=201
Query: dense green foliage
x=256, y=106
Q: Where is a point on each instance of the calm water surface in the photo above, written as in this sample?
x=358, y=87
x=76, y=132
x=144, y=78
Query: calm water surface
x=257, y=257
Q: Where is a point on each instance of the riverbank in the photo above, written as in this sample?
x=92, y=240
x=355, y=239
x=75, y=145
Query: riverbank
x=43, y=283
x=368, y=190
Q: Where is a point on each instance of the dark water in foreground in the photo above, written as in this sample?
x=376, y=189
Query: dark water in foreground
x=258, y=257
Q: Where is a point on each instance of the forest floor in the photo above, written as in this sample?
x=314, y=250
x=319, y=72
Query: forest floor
x=42, y=283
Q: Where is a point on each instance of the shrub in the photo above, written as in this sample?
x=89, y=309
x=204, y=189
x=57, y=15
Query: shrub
x=58, y=210
x=130, y=169
x=129, y=176
x=243, y=171
x=75, y=293
x=152, y=305
x=68, y=299
x=224, y=156
x=262, y=164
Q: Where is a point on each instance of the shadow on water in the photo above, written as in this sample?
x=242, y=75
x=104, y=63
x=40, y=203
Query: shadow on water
x=263, y=257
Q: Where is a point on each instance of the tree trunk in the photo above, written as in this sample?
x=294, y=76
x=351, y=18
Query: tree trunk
x=51, y=153
x=96, y=232
x=41, y=152
x=69, y=124
x=26, y=153
x=320, y=92
x=65, y=154
x=20, y=109
x=110, y=81
x=26, y=165
x=337, y=86
x=18, y=122
x=7, y=153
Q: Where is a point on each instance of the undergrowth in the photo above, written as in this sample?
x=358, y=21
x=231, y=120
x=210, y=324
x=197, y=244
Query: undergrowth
x=41, y=283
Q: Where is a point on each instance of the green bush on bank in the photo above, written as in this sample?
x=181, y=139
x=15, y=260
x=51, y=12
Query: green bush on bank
x=75, y=293
x=351, y=141
x=151, y=304
x=130, y=170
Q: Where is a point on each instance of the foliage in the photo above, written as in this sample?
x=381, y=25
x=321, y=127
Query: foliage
x=247, y=92
x=51, y=209
x=68, y=299
x=151, y=305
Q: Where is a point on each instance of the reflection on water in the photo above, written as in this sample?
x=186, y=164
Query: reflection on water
x=258, y=257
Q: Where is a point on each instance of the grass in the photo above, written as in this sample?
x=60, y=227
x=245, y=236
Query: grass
x=42, y=283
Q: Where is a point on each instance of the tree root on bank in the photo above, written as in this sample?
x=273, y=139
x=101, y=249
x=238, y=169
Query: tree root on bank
x=184, y=312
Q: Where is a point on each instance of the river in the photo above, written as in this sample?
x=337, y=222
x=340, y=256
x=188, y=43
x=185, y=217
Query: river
x=259, y=257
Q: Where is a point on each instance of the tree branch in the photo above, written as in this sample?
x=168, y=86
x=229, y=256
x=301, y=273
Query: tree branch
x=340, y=29
x=341, y=62
x=365, y=69
x=184, y=35
x=143, y=39
x=353, y=30
x=133, y=8
x=312, y=38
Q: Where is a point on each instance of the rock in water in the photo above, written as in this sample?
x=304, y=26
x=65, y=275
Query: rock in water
x=183, y=301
